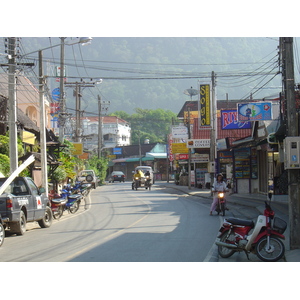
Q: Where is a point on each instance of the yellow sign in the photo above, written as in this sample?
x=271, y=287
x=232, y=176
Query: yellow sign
x=193, y=115
x=204, y=105
x=179, y=148
x=78, y=149
x=28, y=137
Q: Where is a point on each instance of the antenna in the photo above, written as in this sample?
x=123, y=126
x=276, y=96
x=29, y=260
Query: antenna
x=191, y=92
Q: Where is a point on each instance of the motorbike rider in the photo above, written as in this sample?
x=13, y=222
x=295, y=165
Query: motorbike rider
x=138, y=174
x=218, y=186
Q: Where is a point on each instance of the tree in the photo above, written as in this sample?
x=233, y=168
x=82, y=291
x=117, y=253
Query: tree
x=148, y=123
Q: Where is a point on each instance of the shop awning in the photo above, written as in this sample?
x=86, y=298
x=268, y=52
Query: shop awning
x=156, y=155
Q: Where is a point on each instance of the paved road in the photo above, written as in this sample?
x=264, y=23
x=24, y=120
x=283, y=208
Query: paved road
x=122, y=225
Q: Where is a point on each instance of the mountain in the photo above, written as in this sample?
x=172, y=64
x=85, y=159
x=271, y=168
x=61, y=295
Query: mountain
x=154, y=72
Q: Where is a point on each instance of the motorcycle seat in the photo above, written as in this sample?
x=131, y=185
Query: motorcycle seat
x=58, y=200
x=236, y=221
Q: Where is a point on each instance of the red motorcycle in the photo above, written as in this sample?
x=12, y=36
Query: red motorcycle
x=264, y=240
x=57, y=204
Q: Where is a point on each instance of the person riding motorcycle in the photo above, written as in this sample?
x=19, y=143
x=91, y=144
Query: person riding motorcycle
x=218, y=186
x=138, y=175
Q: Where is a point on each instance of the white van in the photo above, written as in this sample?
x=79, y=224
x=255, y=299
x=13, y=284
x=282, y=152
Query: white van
x=144, y=169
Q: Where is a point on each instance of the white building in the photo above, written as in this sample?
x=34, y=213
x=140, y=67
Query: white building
x=115, y=132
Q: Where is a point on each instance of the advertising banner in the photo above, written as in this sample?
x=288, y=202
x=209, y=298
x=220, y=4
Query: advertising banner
x=204, y=105
x=255, y=111
x=229, y=120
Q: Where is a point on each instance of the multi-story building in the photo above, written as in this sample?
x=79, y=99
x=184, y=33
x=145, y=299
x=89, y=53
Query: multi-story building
x=115, y=132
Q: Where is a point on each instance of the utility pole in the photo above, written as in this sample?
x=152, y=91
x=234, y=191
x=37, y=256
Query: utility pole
x=43, y=141
x=12, y=104
x=213, y=135
x=78, y=85
x=101, y=106
x=286, y=44
x=61, y=117
x=99, y=127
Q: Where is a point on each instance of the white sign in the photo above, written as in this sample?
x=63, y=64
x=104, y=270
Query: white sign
x=180, y=132
x=203, y=143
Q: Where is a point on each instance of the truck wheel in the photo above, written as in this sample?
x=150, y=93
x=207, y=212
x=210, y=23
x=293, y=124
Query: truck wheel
x=47, y=220
x=2, y=234
x=19, y=228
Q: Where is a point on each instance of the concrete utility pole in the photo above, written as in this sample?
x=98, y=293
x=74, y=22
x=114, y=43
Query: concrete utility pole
x=102, y=105
x=43, y=141
x=62, y=103
x=286, y=44
x=78, y=86
x=213, y=135
x=12, y=105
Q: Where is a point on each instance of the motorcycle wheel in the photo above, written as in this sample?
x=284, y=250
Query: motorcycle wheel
x=74, y=207
x=223, y=208
x=275, y=252
x=58, y=213
x=2, y=234
x=225, y=238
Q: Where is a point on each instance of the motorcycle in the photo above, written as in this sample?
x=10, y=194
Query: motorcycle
x=147, y=182
x=2, y=231
x=73, y=200
x=57, y=204
x=221, y=206
x=136, y=182
x=264, y=240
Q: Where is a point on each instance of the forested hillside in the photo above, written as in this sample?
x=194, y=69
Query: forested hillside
x=152, y=73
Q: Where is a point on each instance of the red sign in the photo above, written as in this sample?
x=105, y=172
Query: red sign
x=183, y=156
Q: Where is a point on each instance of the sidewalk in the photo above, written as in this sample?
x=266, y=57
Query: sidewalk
x=246, y=200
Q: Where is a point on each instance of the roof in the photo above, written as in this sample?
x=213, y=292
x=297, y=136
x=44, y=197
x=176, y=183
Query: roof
x=107, y=120
x=231, y=134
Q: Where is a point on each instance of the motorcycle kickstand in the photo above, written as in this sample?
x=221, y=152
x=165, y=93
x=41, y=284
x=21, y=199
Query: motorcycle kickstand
x=247, y=254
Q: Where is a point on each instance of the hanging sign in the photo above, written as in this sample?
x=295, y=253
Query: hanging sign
x=255, y=111
x=204, y=105
x=229, y=120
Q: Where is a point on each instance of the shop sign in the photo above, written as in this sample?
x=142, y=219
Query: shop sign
x=179, y=148
x=203, y=143
x=180, y=132
x=204, y=105
x=255, y=111
x=229, y=120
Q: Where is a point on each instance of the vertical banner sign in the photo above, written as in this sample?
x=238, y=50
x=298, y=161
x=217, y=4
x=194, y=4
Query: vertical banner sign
x=204, y=105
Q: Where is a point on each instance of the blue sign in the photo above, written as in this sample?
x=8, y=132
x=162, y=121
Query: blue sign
x=117, y=150
x=229, y=120
x=56, y=94
x=255, y=111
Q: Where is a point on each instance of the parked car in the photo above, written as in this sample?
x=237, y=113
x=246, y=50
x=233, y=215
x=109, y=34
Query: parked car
x=88, y=176
x=117, y=176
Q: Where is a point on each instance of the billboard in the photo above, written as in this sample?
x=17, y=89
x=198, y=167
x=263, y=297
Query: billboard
x=204, y=106
x=254, y=111
x=229, y=120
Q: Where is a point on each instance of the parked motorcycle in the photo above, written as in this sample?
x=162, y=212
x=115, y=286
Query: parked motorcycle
x=264, y=240
x=73, y=200
x=2, y=232
x=57, y=204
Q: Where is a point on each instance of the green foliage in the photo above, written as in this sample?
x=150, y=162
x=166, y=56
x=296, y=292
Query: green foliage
x=4, y=164
x=66, y=169
x=99, y=165
x=148, y=123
